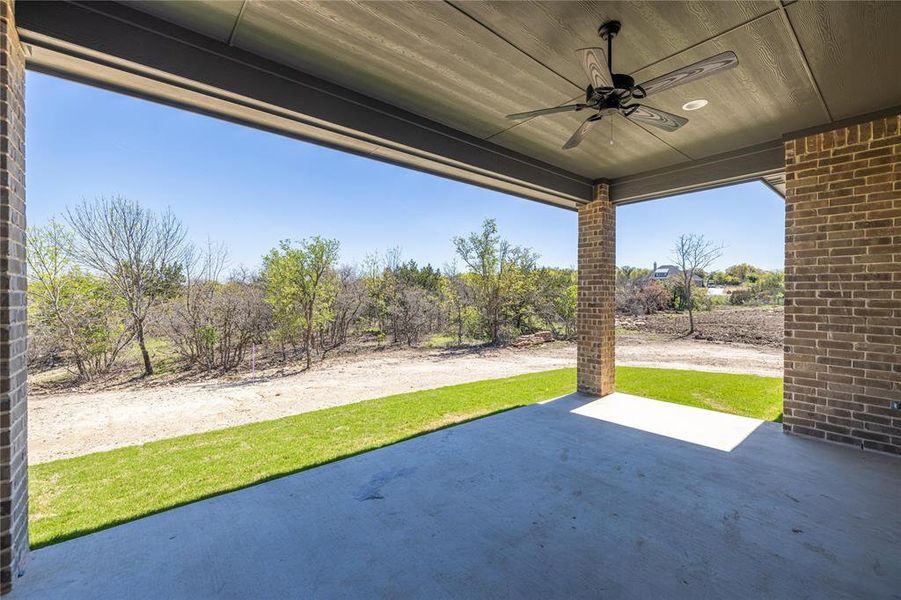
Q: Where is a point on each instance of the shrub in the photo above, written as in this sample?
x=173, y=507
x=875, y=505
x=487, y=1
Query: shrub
x=769, y=288
x=718, y=300
x=740, y=297
x=700, y=300
x=412, y=313
x=642, y=298
x=349, y=305
x=213, y=324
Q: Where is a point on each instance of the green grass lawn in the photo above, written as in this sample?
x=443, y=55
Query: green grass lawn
x=745, y=395
x=72, y=497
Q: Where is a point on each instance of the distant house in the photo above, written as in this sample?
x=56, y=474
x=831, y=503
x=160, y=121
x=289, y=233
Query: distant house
x=665, y=272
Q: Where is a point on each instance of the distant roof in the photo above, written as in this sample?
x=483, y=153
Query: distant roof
x=664, y=271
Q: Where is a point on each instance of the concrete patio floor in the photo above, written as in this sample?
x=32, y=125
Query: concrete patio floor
x=618, y=497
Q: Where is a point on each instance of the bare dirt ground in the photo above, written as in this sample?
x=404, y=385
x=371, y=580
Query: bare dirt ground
x=71, y=423
x=695, y=355
x=757, y=325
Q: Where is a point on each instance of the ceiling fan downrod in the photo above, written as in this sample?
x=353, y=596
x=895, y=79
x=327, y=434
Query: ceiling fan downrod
x=607, y=32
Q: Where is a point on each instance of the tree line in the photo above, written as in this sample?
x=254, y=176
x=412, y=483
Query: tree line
x=110, y=274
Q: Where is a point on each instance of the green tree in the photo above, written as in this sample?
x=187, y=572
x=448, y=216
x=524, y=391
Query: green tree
x=455, y=297
x=404, y=297
x=82, y=312
x=628, y=273
x=427, y=277
x=557, y=292
x=301, y=285
x=501, y=275
x=742, y=272
x=769, y=287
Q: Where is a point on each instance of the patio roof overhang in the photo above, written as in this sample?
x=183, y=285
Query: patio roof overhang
x=428, y=85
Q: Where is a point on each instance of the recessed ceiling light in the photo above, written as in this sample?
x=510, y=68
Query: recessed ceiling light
x=694, y=104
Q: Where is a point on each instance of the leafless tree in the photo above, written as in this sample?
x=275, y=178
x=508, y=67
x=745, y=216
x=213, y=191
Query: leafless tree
x=693, y=254
x=213, y=323
x=241, y=317
x=413, y=311
x=188, y=317
x=350, y=303
x=138, y=250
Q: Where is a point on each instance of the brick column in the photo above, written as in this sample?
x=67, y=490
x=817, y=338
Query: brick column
x=595, y=305
x=843, y=285
x=13, y=457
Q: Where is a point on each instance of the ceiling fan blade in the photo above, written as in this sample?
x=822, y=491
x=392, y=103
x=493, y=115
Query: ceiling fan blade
x=698, y=70
x=594, y=62
x=546, y=111
x=581, y=132
x=657, y=118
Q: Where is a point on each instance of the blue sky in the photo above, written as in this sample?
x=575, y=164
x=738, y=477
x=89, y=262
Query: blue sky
x=249, y=189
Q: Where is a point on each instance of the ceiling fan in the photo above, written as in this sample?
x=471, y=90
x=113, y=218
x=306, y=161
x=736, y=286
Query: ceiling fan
x=609, y=93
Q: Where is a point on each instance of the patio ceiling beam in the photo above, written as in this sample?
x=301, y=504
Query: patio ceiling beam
x=118, y=48
x=747, y=164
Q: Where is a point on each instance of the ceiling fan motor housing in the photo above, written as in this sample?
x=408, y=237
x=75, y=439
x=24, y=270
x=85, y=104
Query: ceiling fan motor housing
x=609, y=29
x=622, y=81
x=623, y=85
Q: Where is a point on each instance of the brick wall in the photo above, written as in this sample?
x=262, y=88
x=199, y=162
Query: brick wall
x=843, y=285
x=595, y=304
x=13, y=458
